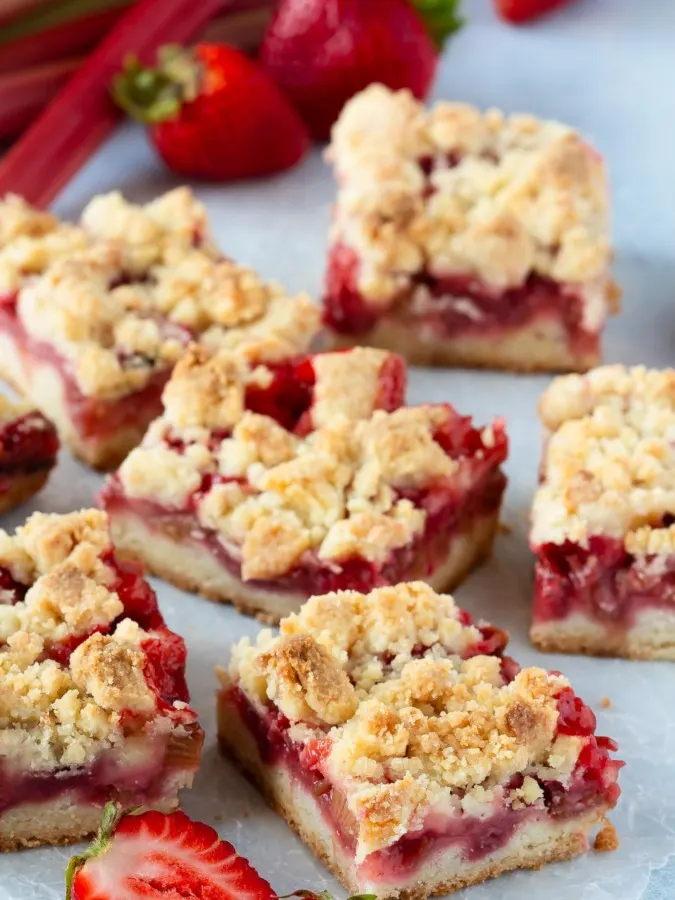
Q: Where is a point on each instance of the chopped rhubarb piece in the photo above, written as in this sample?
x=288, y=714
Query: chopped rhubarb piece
x=263, y=484
x=411, y=762
x=83, y=114
x=602, y=518
x=467, y=238
x=99, y=706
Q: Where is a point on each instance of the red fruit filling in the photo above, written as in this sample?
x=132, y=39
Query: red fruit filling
x=593, y=785
x=290, y=395
x=602, y=582
x=492, y=311
x=449, y=511
x=28, y=444
x=93, y=418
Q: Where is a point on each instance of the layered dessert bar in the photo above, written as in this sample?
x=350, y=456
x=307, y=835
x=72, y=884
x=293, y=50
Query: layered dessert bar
x=467, y=238
x=602, y=518
x=262, y=485
x=93, y=317
x=93, y=701
x=410, y=754
x=29, y=446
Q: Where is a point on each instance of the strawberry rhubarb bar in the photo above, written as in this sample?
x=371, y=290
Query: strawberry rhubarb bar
x=93, y=700
x=93, y=317
x=262, y=485
x=412, y=757
x=467, y=238
x=29, y=446
x=602, y=518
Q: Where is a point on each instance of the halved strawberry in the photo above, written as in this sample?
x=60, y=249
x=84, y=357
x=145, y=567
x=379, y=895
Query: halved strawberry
x=158, y=855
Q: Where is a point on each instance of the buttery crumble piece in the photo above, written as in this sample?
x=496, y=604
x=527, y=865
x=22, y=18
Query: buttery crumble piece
x=607, y=839
x=519, y=195
x=408, y=723
x=333, y=491
x=609, y=465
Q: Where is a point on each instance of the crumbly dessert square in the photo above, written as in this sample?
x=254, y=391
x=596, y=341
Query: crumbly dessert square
x=262, y=485
x=29, y=446
x=602, y=518
x=94, y=316
x=93, y=699
x=467, y=238
x=407, y=751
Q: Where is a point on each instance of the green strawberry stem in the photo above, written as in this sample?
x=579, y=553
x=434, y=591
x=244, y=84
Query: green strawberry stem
x=111, y=817
x=441, y=18
x=155, y=94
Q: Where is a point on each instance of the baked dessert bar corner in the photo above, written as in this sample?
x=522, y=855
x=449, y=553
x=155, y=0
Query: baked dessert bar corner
x=264, y=484
x=93, y=701
x=467, y=238
x=602, y=518
x=29, y=447
x=410, y=754
x=94, y=316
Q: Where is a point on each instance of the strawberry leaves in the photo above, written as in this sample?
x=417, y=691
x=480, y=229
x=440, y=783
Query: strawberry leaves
x=441, y=18
x=111, y=817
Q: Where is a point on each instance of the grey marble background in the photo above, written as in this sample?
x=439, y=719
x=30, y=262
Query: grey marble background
x=607, y=67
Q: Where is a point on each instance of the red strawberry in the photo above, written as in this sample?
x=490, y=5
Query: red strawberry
x=524, y=10
x=213, y=113
x=322, y=52
x=157, y=855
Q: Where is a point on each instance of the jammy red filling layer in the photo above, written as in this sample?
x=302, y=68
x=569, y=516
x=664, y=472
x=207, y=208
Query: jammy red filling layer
x=602, y=581
x=449, y=512
x=290, y=395
x=489, y=311
x=93, y=418
x=593, y=786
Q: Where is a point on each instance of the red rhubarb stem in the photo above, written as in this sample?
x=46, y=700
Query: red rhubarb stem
x=24, y=94
x=80, y=118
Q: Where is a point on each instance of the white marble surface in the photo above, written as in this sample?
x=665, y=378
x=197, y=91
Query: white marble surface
x=608, y=67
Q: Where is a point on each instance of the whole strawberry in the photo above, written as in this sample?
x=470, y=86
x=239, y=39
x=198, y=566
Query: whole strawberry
x=213, y=113
x=322, y=52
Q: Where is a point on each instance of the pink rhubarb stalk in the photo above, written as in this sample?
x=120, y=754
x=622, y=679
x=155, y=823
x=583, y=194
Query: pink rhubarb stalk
x=83, y=114
x=24, y=94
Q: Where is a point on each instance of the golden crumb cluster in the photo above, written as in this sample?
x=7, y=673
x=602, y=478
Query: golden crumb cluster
x=121, y=294
x=409, y=721
x=609, y=464
x=507, y=197
x=53, y=714
x=334, y=493
x=208, y=388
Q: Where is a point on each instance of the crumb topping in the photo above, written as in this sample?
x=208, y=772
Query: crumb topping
x=407, y=721
x=347, y=385
x=14, y=409
x=335, y=492
x=506, y=197
x=609, y=465
x=121, y=295
x=56, y=714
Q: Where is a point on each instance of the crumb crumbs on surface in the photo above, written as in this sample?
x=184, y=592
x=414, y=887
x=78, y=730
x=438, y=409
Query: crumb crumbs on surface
x=605, y=702
x=218, y=818
x=606, y=840
x=505, y=528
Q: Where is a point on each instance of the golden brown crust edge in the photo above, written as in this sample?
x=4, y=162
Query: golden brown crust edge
x=401, y=338
x=550, y=640
x=23, y=488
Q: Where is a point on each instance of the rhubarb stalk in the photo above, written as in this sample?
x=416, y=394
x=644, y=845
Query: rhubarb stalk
x=83, y=114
